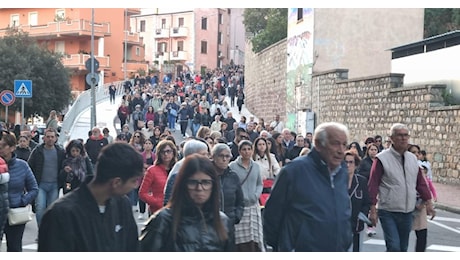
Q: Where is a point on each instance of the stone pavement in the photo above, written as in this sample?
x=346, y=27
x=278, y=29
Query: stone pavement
x=448, y=195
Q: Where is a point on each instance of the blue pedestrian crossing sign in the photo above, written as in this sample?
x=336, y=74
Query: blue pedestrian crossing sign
x=23, y=88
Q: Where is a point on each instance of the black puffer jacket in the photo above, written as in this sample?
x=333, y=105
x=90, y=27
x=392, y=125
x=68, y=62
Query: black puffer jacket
x=195, y=233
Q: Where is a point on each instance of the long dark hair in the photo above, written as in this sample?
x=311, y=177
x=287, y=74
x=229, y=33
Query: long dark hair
x=180, y=198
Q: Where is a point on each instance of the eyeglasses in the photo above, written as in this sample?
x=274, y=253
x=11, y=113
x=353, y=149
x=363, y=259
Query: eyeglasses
x=350, y=162
x=193, y=184
x=378, y=141
x=137, y=136
x=244, y=137
x=164, y=152
x=224, y=156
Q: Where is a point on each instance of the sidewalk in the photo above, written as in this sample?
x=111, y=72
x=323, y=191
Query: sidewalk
x=448, y=195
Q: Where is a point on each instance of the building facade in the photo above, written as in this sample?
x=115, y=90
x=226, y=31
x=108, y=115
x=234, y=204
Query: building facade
x=194, y=40
x=119, y=52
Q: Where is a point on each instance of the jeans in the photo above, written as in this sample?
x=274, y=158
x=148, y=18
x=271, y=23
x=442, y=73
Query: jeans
x=172, y=122
x=14, y=236
x=48, y=192
x=396, y=229
x=195, y=128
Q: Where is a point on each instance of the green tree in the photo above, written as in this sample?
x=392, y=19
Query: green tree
x=21, y=58
x=441, y=20
x=267, y=25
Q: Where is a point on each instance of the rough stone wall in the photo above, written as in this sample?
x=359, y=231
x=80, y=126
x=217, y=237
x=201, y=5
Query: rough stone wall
x=368, y=106
x=265, y=81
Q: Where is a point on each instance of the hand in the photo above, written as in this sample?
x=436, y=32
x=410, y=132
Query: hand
x=430, y=209
x=67, y=169
x=373, y=216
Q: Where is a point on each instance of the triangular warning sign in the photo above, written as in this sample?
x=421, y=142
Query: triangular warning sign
x=22, y=91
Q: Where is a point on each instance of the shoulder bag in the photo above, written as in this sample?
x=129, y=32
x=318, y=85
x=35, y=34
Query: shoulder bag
x=19, y=216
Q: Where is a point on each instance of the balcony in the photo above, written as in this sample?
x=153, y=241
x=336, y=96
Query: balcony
x=161, y=33
x=77, y=61
x=134, y=66
x=63, y=28
x=161, y=56
x=134, y=38
x=178, y=55
x=179, y=32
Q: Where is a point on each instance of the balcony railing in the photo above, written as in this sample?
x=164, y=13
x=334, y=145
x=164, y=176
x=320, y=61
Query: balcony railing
x=78, y=61
x=134, y=38
x=161, y=33
x=67, y=28
x=178, y=55
x=179, y=32
x=161, y=56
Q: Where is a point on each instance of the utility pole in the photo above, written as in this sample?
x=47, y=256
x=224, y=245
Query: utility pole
x=125, y=44
x=93, y=82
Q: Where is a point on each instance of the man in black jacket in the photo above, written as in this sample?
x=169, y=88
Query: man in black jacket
x=97, y=216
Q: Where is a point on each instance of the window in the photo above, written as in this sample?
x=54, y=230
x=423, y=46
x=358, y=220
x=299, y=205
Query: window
x=221, y=19
x=138, y=51
x=33, y=18
x=59, y=47
x=181, y=22
x=219, y=38
x=14, y=20
x=204, y=23
x=299, y=14
x=204, y=47
x=180, y=45
x=162, y=46
x=142, y=26
x=60, y=15
x=163, y=23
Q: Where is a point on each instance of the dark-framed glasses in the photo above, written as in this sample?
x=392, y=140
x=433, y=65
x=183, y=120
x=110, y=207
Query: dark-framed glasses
x=205, y=184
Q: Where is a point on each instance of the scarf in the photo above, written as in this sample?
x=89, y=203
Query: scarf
x=78, y=165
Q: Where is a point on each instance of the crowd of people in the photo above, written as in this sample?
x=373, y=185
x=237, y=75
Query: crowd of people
x=228, y=186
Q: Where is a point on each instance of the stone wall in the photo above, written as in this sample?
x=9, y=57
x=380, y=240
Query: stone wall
x=368, y=106
x=265, y=81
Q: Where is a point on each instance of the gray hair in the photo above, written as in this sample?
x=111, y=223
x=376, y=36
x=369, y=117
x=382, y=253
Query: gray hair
x=396, y=127
x=218, y=148
x=321, y=135
x=194, y=146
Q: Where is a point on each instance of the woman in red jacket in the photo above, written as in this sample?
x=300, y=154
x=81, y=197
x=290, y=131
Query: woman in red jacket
x=151, y=190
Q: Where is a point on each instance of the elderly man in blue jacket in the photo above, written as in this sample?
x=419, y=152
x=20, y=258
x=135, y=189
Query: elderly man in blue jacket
x=309, y=208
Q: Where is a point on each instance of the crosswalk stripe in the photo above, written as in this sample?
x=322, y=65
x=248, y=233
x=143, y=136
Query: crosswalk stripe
x=444, y=248
x=379, y=242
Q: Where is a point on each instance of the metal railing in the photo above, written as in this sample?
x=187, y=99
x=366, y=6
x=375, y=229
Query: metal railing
x=81, y=104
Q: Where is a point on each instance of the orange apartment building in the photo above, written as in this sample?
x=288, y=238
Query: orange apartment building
x=69, y=30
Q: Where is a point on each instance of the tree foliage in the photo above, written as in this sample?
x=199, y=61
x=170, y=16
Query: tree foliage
x=441, y=20
x=268, y=25
x=21, y=58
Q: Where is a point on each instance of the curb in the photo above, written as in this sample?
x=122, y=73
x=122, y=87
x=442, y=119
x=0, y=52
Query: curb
x=447, y=208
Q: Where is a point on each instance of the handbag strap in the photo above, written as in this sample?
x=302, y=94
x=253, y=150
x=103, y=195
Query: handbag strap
x=247, y=175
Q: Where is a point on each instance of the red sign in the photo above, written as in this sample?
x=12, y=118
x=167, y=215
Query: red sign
x=7, y=97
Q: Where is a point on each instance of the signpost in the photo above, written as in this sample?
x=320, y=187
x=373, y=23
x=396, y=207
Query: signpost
x=7, y=98
x=23, y=89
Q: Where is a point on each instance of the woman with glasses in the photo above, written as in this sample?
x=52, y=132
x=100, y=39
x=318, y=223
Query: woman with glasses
x=191, y=221
x=249, y=232
x=359, y=197
x=137, y=140
x=232, y=201
x=152, y=186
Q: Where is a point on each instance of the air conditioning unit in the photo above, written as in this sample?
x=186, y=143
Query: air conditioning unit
x=176, y=30
x=158, y=31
